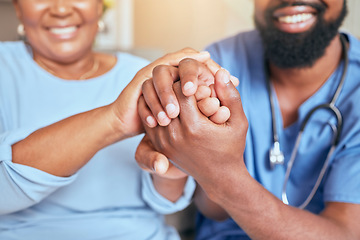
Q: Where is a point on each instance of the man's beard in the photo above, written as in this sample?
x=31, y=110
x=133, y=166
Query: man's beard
x=298, y=50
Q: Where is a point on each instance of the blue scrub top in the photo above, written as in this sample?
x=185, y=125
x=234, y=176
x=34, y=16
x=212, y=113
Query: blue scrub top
x=242, y=55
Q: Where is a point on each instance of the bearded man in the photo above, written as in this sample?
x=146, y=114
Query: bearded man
x=286, y=165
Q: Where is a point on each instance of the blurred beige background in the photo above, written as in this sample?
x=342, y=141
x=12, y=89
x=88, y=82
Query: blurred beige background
x=154, y=27
x=151, y=28
x=174, y=24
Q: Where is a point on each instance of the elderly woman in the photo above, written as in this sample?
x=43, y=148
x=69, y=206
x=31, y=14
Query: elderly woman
x=67, y=168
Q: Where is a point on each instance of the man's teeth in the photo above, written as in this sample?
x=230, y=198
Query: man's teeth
x=296, y=18
x=65, y=30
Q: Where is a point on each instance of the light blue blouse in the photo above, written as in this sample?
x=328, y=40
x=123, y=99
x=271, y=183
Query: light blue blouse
x=242, y=55
x=109, y=198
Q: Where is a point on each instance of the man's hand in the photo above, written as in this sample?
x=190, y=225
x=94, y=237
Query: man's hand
x=194, y=143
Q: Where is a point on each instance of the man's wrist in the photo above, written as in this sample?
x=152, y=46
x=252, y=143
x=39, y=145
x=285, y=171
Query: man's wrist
x=229, y=188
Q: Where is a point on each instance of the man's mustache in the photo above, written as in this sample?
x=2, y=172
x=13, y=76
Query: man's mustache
x=320, y=7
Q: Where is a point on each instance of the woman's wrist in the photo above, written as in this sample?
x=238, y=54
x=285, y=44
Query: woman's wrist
x=119, y=128
x=171, y=189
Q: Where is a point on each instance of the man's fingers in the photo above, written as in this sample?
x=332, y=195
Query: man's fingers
x=229, y=95
x=149, y=159
x=214, y=68
x=189, y=111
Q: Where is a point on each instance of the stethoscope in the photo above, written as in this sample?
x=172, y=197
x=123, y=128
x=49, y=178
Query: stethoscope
x=276, y=156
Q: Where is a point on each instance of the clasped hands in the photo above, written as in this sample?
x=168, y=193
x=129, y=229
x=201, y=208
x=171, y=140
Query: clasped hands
x=194, y=118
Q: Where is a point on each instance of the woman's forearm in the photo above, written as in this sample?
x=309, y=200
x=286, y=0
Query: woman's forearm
x=65, y=146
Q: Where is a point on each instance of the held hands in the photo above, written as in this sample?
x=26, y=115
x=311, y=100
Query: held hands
x=207, y=103
x=192, y=73
x=127, y=122
x=196, y=79
x=194, y=143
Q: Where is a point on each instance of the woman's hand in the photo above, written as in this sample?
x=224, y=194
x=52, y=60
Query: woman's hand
x=127, y=122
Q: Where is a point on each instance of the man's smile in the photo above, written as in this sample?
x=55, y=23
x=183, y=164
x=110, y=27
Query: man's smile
x=295, y=19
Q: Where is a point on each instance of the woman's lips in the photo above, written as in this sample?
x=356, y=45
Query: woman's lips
x=63, y=32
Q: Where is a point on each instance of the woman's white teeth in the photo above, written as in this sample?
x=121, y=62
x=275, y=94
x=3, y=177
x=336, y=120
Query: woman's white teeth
x=65, y=30
x=296, y=18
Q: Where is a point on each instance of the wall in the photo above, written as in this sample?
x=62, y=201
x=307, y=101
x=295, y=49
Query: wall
x=8, y=21
x=171, y=25
x=159, y=26
x=352, y=21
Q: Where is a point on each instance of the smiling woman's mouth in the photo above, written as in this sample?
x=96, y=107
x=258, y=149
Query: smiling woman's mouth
x=63, y=30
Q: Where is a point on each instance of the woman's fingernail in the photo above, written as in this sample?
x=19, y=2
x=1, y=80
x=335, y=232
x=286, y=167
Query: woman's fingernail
x=160, y=167
x=204, y=53
x=188, y=86
x=170, y=109
x=151, y=121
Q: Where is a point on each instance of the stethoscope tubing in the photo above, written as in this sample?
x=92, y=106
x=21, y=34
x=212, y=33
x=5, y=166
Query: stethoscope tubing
x=336, y=129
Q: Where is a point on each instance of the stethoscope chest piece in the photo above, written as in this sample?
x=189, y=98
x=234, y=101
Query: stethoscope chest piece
x=276, y=156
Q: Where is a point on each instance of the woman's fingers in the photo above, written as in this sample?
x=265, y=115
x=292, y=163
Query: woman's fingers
x=163, y=80
x=209, y=106
x=176, y=57
x=145, y=113
x=202, y=92
x=193, y=74
x=173, y=59
x=153, y=106
x=149, y=159
x=221, y=115
x=159, y=94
